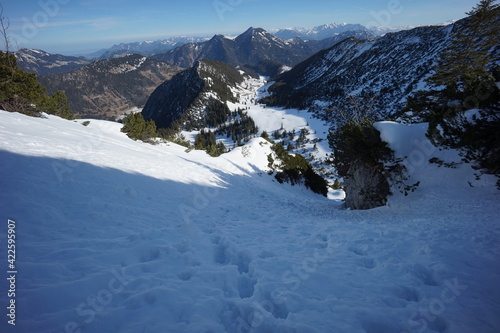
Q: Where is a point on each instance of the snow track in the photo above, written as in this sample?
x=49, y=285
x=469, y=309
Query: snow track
x=129, y=237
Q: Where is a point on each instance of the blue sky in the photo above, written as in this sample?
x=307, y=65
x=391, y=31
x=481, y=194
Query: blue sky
x=79, y=26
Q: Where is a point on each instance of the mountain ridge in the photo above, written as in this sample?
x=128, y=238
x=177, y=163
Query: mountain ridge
x=145, y=48
x=319, y=32
x=185, y=97
x=44, y=63
x=107, y=88
x=388, y=69
x=251, y=48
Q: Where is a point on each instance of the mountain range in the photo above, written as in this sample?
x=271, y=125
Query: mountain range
x=105, y=89
x=382, y=72
x=379, y=73
x=43, y=63
x=317, y=33
x=195, y=48
x=325, y=31
x=252, y=48
x=109, y=87
x=387, y=68
x=325, y=72
x=333, y=29
x=145, y=48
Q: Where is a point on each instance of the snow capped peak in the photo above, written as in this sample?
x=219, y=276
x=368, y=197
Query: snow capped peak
x=382, y=30
x=33, y=52
x=329, y=26
x=252, y=32
x=449, y=22
x=319, y=32
x=259, y=35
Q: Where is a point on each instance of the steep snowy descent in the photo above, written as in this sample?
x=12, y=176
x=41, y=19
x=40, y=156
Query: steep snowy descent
x=120, y=236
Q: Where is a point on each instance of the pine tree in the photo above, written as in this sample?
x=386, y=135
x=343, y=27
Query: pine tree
x=199, y=141
x=21, y=92
x=462, y=69
x=137, y=128
x=295, y=169
x=60, y=105
x=463, y=82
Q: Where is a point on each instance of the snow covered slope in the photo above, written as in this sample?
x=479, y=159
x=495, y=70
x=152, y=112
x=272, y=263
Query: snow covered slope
x=115, y=235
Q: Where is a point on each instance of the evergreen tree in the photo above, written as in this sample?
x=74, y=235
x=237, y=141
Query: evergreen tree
x=265, y=136
x=464, y=82
x=21, y=92
x=295, y=169
x=207, y=141
x=216, y=113
x=137, y=128
x=60, y=106
x=462, y=69
x=358, y=142
x=199, y=141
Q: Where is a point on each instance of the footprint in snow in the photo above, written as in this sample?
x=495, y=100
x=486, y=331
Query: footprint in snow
x=368, y=263
x=185, y=275
x=150, y=255
x=224, y=255
x=359, y=250
x=406, y=293
x=246, y=286
x=424, y=274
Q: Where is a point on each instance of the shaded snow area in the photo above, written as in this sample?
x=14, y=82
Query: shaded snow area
x=115, y=235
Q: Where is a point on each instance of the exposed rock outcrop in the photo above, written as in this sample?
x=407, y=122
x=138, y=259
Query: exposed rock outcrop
x=366, y=187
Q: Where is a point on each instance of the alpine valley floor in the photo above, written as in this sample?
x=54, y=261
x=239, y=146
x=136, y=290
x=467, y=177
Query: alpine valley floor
x=114, y=235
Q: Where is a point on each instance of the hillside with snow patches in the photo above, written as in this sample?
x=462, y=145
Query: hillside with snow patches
x=386, y=70
x=115, y=235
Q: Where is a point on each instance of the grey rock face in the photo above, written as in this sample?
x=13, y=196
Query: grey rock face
x=366, y=187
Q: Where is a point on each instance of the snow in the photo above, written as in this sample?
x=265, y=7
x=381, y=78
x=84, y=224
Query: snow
x=271, y=119
x=284, y=69
x=115, y=235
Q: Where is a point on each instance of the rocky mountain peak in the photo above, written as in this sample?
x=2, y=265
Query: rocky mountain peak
x=187, y=93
